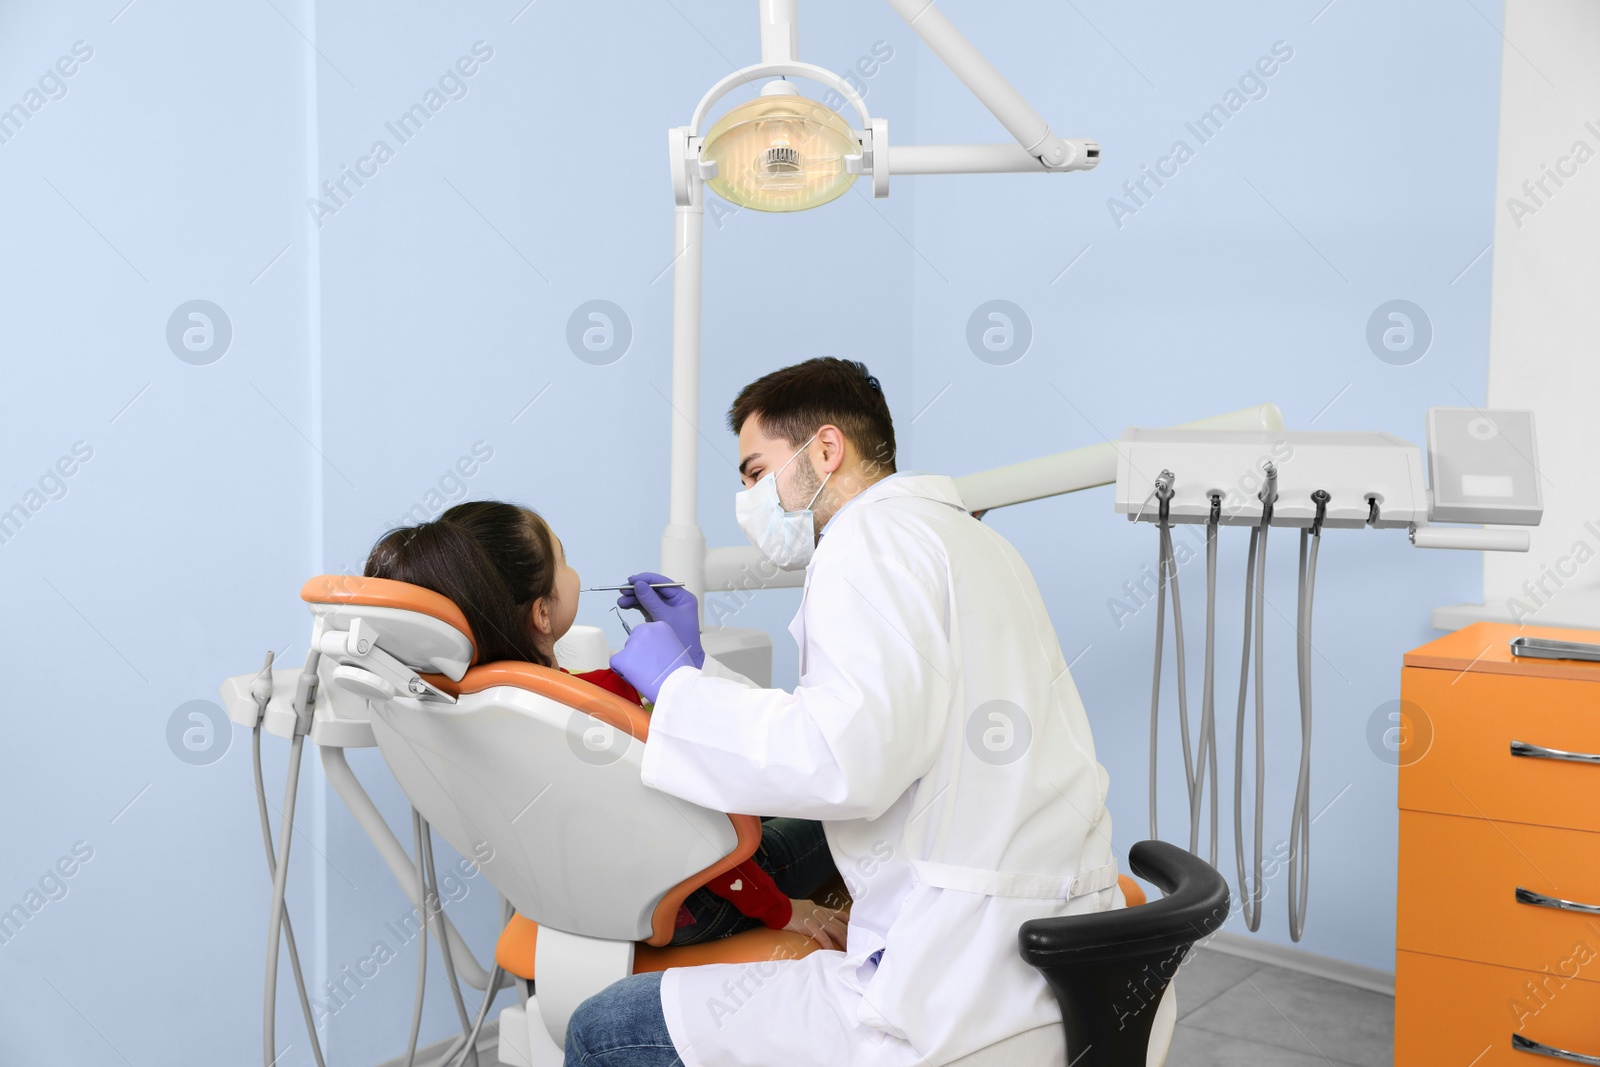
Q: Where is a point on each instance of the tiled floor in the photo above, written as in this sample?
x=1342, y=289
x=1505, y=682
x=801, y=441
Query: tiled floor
x=1238, y=1013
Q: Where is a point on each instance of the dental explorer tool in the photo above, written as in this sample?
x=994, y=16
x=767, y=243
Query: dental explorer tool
x=629, y=588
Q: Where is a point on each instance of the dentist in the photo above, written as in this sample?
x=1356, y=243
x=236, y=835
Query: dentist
x=936, y=732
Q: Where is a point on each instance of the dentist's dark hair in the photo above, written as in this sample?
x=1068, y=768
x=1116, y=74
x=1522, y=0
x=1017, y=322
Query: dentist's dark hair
x=492, y=559
x=791, y=403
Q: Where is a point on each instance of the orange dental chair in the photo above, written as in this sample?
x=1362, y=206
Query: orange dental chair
x=535, y=773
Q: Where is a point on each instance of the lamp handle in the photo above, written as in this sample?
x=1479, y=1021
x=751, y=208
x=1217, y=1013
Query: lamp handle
x=751, y=74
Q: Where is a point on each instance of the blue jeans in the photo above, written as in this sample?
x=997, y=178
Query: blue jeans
x=623, y=1025
x=793, y=851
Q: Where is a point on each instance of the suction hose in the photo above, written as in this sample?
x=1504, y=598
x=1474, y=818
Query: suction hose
x=305, y=694
x=1300, y=816
x=1255, y=606
x=1167, y=582
x=288, y=927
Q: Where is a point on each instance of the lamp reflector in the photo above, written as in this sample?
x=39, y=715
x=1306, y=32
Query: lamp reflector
x=780, y=153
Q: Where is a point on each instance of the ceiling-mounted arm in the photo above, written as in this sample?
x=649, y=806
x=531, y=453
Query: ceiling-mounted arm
x=780, y=31
x=991, y=88
x=972, y=159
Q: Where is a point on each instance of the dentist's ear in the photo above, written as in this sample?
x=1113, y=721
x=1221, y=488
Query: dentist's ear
x=831, y=440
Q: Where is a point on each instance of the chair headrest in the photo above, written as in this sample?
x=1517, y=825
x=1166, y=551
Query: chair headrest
x=421, y=628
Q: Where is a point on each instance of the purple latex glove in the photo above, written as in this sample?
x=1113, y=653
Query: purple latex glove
x=651, y=652
x=678, y=608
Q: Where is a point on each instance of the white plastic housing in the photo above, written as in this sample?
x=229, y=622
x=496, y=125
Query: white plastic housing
x=742, y=649
x=572, y=968
x=421, y=642
x=583, y=649
x=524, y=1041
x=340, y=717
x=1352, y=467
x=1483, y=466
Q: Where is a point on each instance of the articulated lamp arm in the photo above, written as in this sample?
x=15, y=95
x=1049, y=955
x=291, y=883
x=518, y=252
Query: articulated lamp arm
x=1037, y=146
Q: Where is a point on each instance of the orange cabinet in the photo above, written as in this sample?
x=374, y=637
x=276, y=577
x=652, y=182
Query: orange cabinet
x=1480, y=890
x=1457, y=1013
x=1498, y=918
x=1476, y=718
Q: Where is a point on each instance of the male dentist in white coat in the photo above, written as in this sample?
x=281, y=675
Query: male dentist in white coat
x=936, y=733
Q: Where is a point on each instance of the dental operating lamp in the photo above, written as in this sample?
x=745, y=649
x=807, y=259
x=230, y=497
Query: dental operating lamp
x=782, y=151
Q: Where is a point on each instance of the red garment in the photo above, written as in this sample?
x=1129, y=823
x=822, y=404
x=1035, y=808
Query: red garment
x=611, y=682
x=752, y=890
x=747, y=887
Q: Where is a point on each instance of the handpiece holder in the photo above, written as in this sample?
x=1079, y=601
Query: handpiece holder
x=1330, y=479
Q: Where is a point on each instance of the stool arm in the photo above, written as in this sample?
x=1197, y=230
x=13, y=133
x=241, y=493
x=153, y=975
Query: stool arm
x=1196, y=905
x=1109, y=970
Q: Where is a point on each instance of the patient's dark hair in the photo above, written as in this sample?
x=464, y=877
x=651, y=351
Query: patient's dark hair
x=791, y=403
x=492, y=559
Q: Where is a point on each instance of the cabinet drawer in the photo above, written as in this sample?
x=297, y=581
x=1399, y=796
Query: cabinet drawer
x=1470, y=720
x=1450, y=1013
x=1458, y=893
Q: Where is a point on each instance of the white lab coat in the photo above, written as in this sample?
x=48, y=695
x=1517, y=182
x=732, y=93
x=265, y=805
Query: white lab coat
x=938, y=735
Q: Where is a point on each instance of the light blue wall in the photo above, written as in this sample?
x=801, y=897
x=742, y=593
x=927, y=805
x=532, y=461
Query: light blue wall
x=371, y=352
x=169, y=170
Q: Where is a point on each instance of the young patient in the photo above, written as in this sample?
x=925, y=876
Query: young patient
x=508, y=573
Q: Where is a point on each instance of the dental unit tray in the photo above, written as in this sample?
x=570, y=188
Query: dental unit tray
x=1358, y=470
x=1370, y=479
x=1546, y=648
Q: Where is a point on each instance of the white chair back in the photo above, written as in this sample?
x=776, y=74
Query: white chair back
x=548, y=801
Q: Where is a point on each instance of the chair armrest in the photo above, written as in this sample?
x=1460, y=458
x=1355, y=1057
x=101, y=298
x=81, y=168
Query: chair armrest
x=1195, y=906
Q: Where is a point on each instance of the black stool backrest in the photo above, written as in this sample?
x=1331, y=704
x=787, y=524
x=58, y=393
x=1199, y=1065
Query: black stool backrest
x=1109, y=969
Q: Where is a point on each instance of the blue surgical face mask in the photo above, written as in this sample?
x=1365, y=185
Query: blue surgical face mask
x=786, y=538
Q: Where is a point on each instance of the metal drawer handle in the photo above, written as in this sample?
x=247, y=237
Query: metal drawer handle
x=1522, y=1044
x=1522, y=748
x=1528, y=896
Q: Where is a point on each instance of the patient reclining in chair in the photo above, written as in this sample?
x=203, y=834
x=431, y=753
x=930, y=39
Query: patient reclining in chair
x=507, y=571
